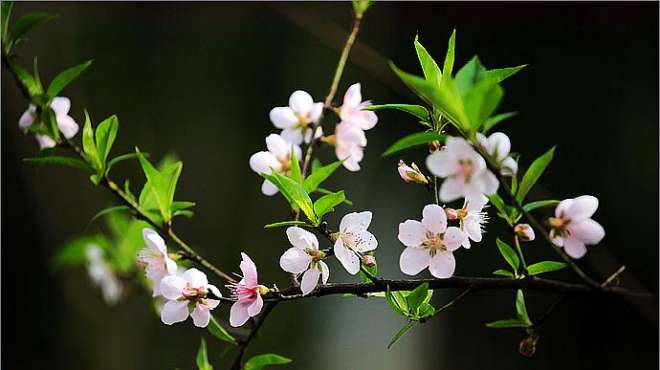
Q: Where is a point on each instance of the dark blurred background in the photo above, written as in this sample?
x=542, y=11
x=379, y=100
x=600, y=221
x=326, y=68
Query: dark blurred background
x=198, y=79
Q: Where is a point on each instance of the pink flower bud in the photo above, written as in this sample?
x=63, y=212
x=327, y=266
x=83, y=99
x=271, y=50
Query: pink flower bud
x=452, y=214
x=369, y=260
x=411, y=173
x=524, y=232
x=527, y=346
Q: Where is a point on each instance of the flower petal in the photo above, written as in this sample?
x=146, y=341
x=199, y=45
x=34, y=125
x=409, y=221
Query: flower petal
x=509, y=167
x=279, y=147
x=45, y=141
x=472, y=228
x=238, y=314
x=170, y=265
x=325, y=272
x=574, y=247
x=309, y=281
x=583, y=207
x=292, y=135
x=348, y=258
x=195, y=278
x=154, y=241
x=264, y=162
x=268, y=188
x=27, y=118
x=562, y=207
x=365, y=241
x=171, y=286
x=255, y=307
x=295, y=261
x=61, y=105
x=434, y=218
x=442, y=265
x=67, y=126
x=283, y=117
x=452, y=188
x=442, y=163
x=301, y=102
x=249, y=270
x=414, y=260
x=173, y=312
x=353, y=95
x=355, y=221
x=453, y=238
x=588, y=231
x=412, y=233
x=499, y=145
x=201, y=316
x=301, y=238
x=316, y=112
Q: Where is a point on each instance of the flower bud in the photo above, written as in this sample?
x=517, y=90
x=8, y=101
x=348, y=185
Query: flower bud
x=527, y=346
x=434, y=146
x=411, y=173
x=452, y=214
x=369, y=260
x=524, y=232
x=263, y=290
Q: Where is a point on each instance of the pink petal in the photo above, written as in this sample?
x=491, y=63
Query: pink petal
x=414, y=260
x=453, y=238
x=316, y=112
x=45, y=141
x=268, y=188
x=292, y=135
x=201, y=316
x=295, y=261
x=27, y=118
x=309, y=281
x=60, y=105
x=255, y=307
x=434, y=218
x=366, y=241
x=195, y=278
x=325, y=272
x=173, y=312
x=171, y=286
x=583, y=207
x=249, y=270
x=355, y=221
x=442, y=265
x=588, y=231
x=442, y=163
x=301, y=238
x=574, y=247
x=238, y=314
x=67, y=126
x=452, y=188
x=279, y=147
x=499, y=145
x=353, y=96
x=472, y=228
x=154, y=241
x=412, y=233
x=562, y=207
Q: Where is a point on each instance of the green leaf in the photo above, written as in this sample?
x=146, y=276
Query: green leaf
x=327, y=203
x=294, y=193
x=545, y=266
x=417, y=296
x=533, y=173
x=413, y=109
x=89, y=147
x=5, y=13
x=261, y=361
x=65, y=77
x=426, y=310
x=507, y=323
x=219, y=332
x=60, y=160
x=413, y=140
x=481, y=101
x=50, y=121
x=202, y=359
x=121, y=158
x=296, y=174
x=397, y=302
x=27, y=22
x=509, y=254
x=521, y=309
x=285, y=224
x=539, y=204
x=181, y=205
x=448, y=67
x=504, y=210
x=27, y=80
x=400, y=333
x=319, y=175
x=470, y=74
x=490, y=122
x=429, y=66
x=75, y=252
x=316, y=164
x=503, y=273
x=501, y=74
x=326, y=191
x=373, y=270
x=158, y=185
x=106, y=132
x=109, y=210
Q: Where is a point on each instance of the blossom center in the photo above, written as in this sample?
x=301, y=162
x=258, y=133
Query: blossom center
x=303, y=121
x=191, y=293
x=316, y=254
x=465, y=168
x=434, y=242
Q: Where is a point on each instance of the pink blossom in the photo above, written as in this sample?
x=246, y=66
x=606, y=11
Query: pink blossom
x=67, y=125
x=189, y=289
x=352, y=111
x=350, y=142
x=411, y=173
x=157, y=262
x=295, y=120
x=305, y=258
x=247, y=293
x=498, y=146
x=572, y=227
x=102, y=275
x=524, y=232
x=353, y=239
x=464, y=171
x=472, y=218
x=276, y=160
x=429, y=243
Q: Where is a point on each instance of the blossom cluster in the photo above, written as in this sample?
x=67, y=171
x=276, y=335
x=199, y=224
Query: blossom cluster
x=65, y=123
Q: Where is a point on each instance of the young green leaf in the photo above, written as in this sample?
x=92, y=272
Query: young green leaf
x=75, y=251
x=501, y=74
x=316, y=164
x=521, y=308
x=219, y=332
x=415, y=110
x=490, y=122
x=157, y=189
x=202, y=359
x=27, y=22
x=448, y=67
x=545, y=266
x=539, y=204
x=64, y=161
x=5, y=13
x=429, y=66
x=65, y=77
x=296, y=174
x=285, y=224
x=533, y=173
x=29, y=83
x=401, y=332
x=319, y=175
x=326, y=191
x=120, y=158
x=295, y=194
x=397, y=302
x=481, y=101
x=261, y=361
x=50, y=121
x=503, y=273
x=470, y=74
x=89, y=147
x=327, y=203
x=509, y=254
x=413, y=140
x=106, y=132
x=416, y=297
x=507, y=323
x=503, y=209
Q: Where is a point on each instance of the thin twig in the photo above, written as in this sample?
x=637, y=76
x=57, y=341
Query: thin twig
x=243, y=345
x=448, y=304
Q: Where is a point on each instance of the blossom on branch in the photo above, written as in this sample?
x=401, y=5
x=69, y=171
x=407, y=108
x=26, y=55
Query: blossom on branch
x=352, y=110
x=524, y=232
x=305, y=258
x=498, y=146
x=572, y=227
x=411, y=173
x=464, y=170
x=66, y=124
x=182, y=292
x=102, y=275
x=277, y=159
x=247, y=293
x=157, y=262
x=429, y=243
x=472, y=218
x=352, y=240
x=298, y=118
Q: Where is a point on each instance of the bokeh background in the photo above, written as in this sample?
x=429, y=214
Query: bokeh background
x=198, y=80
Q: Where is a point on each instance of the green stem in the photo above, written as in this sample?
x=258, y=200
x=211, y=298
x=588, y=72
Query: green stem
x=516, y=241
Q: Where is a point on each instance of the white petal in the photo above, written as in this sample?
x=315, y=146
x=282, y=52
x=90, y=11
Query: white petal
x=45, y=141
x=355, y=221
x=353, y=96
x=488, y=183
x=317, y=111
x=283, y=117
x=154, y=241
x=27, y=118
x=562, y=207
x=472, y=228
x=509, y=167
x=325, y=272
x=442, y=163
x=196, y=278
x=268, y=188
x=301, y=102
x=255, y=307
x=574, y=247
x=170, y=265
x=171, y=286
x=295, y=261
x=442, y=265
x=366, y=241
x=279, y=147
x=414, y=260
x=249, y=270
x=214, y=290
x=238, y=314
x=174, y=311
x=264, y=163
x=583, y=207
x=451, y=189
x=588, y=231
x=67, y=126
x=476, y=205
x=412, y=233
x=466, y=243
x=348, y=258
x=61, y=105
x=301, y=238
x=201, y=316
x=499, y=145
x=434, y=218
x=309, y=281
x=292, y=135
x=453, y=238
